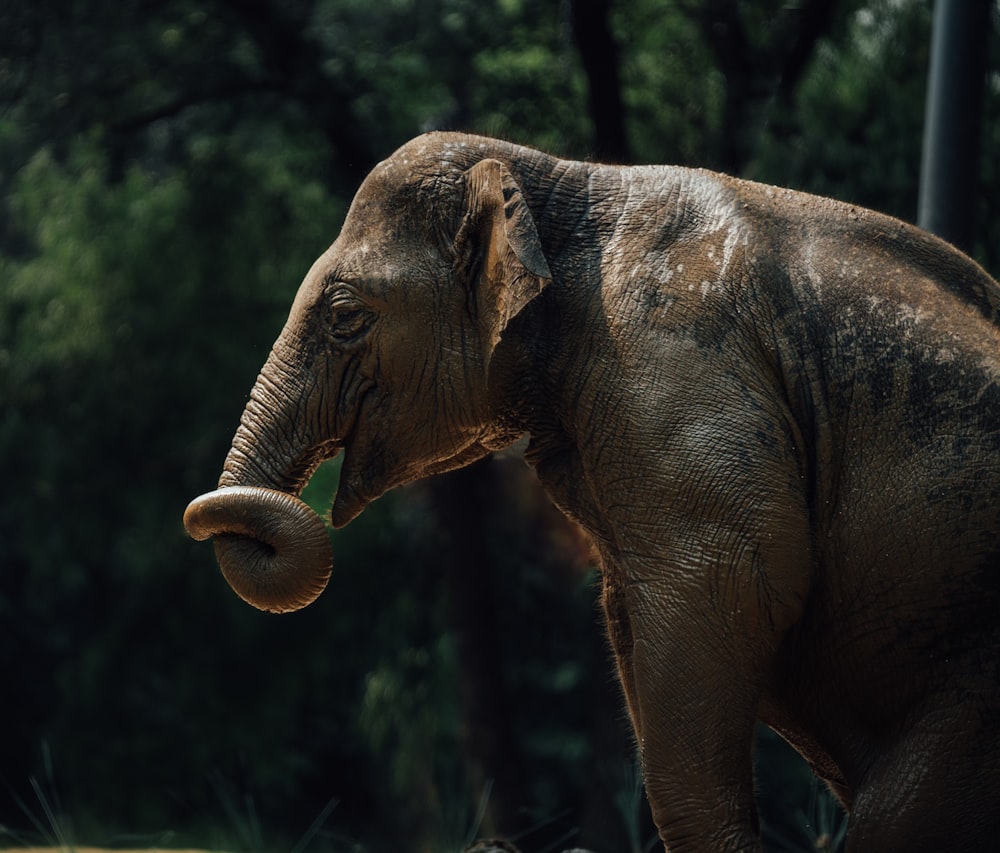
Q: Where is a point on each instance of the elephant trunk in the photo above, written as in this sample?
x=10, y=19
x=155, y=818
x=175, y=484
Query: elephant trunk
x=273, y=549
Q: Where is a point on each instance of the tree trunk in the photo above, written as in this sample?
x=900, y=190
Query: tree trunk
x=756, y=75
x=599, y=55
x=464, y=501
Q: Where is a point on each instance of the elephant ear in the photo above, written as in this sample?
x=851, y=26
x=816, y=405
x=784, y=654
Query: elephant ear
x=498, y=252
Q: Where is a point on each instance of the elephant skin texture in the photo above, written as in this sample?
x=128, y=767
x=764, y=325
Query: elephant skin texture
x=776, y=415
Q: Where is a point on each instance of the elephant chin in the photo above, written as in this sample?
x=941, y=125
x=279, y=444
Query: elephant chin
x=272, y=548
x=347, y=504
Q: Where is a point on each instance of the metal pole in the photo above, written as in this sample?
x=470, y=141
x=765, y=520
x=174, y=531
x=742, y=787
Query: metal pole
x=949, y=171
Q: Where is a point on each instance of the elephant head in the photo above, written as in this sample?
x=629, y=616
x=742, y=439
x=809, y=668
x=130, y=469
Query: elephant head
x=385, y=357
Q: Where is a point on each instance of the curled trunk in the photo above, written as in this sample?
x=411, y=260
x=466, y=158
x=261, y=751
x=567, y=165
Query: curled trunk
x=272, y=548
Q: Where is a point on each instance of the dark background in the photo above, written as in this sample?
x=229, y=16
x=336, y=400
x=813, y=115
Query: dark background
x=168, y=172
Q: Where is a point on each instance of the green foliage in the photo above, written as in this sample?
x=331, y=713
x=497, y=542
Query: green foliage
x=112, y=343
x=673, y=93
x=870, y=87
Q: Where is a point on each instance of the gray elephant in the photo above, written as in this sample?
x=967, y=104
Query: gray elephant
x=777, y=416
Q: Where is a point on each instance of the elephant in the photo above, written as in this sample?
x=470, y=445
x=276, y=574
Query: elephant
x=776, y=415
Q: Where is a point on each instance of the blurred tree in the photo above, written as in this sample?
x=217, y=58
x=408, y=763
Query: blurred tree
x=464, y=499
x=761, y=51
x=599, y=56
x=853, y=131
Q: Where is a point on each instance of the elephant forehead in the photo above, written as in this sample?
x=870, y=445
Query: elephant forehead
x=384, y=257
x=440, y=156
x=389, y=227
x=402, y=185
x=369, y=224
x=385, y=239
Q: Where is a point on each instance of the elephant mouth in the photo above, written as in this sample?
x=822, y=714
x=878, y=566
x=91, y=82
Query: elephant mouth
x=363, y=478
x=363, y=482
x=351, y=498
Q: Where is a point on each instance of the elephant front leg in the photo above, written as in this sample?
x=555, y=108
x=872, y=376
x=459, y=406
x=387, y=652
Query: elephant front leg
x=692, y=663
x=695, y=723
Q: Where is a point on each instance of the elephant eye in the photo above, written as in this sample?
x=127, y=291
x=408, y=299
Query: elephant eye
x=350, y=315
x=350, y=323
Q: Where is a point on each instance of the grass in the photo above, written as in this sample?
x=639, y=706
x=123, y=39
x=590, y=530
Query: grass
x=52, y=829
x=817, y=824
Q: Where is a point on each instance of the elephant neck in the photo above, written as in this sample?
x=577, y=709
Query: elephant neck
x=538, y=351
x=539, y=359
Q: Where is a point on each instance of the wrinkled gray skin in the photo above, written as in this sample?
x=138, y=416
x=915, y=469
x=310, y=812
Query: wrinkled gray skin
x=776, y=415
